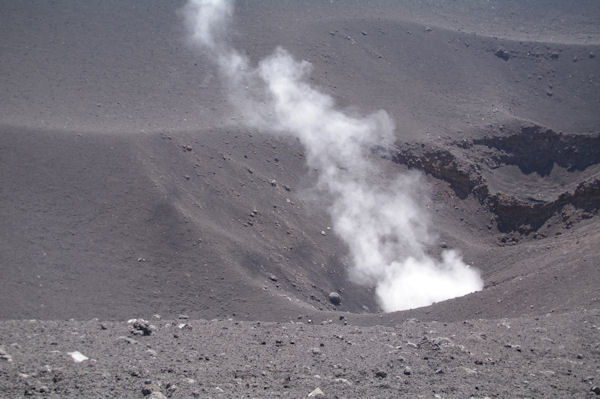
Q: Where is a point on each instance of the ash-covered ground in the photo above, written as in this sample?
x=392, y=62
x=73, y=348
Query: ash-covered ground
x=131, y=187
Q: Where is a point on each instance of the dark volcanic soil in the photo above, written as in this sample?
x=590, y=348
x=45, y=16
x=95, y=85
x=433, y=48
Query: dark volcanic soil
x=128, y=189
x=547, y=356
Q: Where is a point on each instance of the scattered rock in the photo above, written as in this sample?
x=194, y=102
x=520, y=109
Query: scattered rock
x=317, y=393
x=187, y=147
x=77, y=356
x=344, y=381
x=407, y=371
x=503, y=54
x=443, y=244
x=4, y=355
x=272, y=277
x=150, y=388
x=323, y=233
x=596, y=390
x=335, y=298
x=428, y=29
x=127, y=339
x=151, y=352
x=274, y=183
x=142, y=327
x=183, y=317
x=579, y=356
x=380, y=374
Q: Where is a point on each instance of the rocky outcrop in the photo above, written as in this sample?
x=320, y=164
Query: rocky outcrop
x=533, y=149
x=442, y=164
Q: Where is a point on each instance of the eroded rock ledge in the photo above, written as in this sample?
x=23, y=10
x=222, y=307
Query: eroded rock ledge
x=533, y=149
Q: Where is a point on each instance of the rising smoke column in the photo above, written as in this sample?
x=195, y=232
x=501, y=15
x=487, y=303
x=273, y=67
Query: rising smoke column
x=382, y=223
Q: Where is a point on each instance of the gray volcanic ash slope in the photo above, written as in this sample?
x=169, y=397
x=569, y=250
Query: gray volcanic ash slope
x=129, y=187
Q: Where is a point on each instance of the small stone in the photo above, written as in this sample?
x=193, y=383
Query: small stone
x=142, y=327
x=407, y=371
x=274, y=183
x=152, y=390
x=335, y=298
x=315, y=351
x=596, y=390
x=343, y=381
x=272, y=277
x=443, y=244
x=77, y=356
x=439, y=371
x=428, y=29
x=287, y=188
x=579, y=356
x=5, y=356
x=127, y=339
x=502, y=54
x=323, y=233
x=317, y=393
x=183, y=317
x=380, y=374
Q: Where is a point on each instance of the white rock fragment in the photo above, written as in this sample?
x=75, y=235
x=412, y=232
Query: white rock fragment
x=5, y=355
x=343, y=381
x=78, y=357
x=317, y=393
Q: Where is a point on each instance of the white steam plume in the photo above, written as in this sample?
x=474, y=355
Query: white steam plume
x=382, y=223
